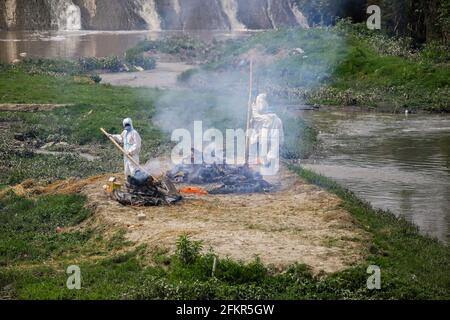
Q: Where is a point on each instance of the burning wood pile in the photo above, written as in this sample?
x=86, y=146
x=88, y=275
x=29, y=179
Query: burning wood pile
x=228, y=179
x=143, y=190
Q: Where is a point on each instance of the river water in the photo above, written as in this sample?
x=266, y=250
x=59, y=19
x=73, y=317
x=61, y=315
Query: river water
x=396, y=162
x=75, y=44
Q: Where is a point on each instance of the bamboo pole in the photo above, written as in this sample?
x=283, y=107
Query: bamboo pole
x=249, y=115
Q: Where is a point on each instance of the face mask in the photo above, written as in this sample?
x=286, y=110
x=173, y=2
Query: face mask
x=128, y=128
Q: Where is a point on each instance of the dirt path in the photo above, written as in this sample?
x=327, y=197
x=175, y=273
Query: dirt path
x=164, y=76
x=299, y=224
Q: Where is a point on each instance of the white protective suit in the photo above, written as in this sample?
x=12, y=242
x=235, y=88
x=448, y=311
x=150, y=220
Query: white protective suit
x=131, y=141
x=267, y=129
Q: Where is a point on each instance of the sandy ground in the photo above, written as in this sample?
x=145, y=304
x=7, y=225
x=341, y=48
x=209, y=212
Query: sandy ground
x=298, y=224
x=164, y=76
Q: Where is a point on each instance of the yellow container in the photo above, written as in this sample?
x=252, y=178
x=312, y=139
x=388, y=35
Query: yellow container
x=113, y=186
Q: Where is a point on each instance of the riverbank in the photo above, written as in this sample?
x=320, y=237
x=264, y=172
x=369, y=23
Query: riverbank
x=164, y=76
x=346, y=65
x=42, y=234
x=113, y=267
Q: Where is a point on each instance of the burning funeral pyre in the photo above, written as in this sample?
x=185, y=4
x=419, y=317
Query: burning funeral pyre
x=143, y=190
x=228, y=179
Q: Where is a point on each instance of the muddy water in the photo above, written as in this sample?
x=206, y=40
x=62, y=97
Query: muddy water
x=396, y=162
x=75, y=44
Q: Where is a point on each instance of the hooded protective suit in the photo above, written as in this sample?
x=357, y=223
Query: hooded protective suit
x=131, y=141
x=267, y=128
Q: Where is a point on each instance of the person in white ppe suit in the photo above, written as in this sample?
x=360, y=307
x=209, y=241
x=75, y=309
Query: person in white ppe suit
x=266, y=136
x=131, y=141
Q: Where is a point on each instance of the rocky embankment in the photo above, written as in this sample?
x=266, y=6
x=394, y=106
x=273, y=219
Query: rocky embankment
x=149, y=14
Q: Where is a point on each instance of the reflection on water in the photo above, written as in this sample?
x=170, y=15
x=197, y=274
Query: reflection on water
x=75, y=44
x=396, y=162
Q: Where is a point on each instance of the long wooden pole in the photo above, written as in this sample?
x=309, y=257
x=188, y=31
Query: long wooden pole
x=249, y=116
x=126, y=153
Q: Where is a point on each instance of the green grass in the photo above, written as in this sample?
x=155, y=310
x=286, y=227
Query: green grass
x=94, y=106
x=108, y=105
x=366, y=77
x=28, y=227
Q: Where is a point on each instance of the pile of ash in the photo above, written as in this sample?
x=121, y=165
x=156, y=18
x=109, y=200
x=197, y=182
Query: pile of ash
x=231, y=179
x=143, y=190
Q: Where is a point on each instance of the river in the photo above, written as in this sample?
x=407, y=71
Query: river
x=75, y=44
x=399, y=163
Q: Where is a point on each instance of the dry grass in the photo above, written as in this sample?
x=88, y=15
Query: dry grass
x=73, y=185
x=29, y=107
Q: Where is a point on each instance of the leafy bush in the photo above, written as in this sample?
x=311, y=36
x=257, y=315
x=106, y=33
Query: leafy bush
x=140, y=60
x=436, y=52
x=188, y=251
x=187, y=75
x=96, y=78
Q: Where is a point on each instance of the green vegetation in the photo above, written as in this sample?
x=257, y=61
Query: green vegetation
x=387, y=73
x=422, y=20
x=28, y=228
x=86, y=65
x=346, y=65
x=185, y=47
x=78, y=125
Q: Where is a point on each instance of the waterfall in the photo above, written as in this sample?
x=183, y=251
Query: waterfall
x=65, y=15
x=270, y=14
x=177, y=7
x=299, y=16
x=10, y=12
x=230, y=8
x=150, y=14
x=73, y=17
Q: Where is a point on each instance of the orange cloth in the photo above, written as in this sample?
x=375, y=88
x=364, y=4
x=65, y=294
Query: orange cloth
x=194, y=190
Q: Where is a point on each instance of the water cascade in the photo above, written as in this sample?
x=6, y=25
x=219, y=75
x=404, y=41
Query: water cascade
x=299, y=16
x=230, y=8
x=65, y=15
x=150, y=14
x=269, y=13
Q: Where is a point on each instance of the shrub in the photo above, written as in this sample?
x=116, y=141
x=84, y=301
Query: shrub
x=187, y=75
x=436, y=52
x=188, y=251
x=140, y=60
x=113, y=64
x=96, y=78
